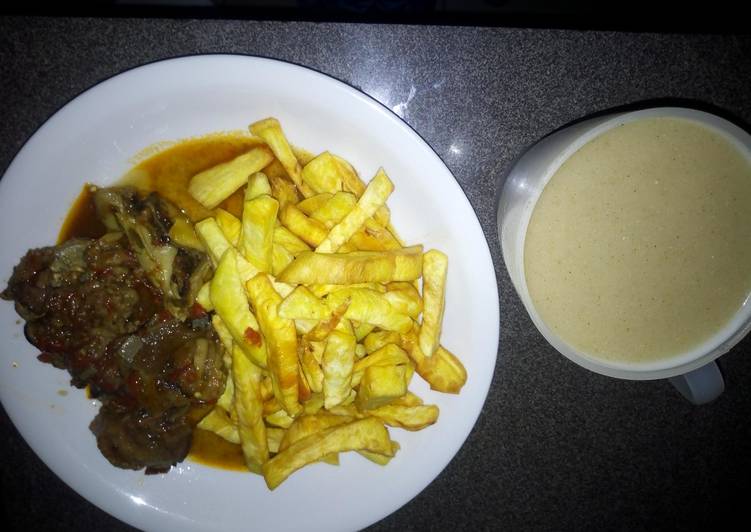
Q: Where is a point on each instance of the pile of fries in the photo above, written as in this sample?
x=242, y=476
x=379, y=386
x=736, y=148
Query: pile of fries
x=318, y=306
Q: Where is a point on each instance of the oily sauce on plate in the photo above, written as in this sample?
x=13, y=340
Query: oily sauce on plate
x=168, y=173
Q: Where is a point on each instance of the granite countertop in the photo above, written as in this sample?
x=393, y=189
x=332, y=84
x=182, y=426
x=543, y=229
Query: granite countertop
x=556, y=447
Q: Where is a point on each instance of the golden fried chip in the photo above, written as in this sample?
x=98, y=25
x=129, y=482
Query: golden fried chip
x=216, y=184
x=370, y=306
x=357, y=267
x=213, y=239
x=258, y=185
x=303, y=327
x=281, y=257
x=270, y=131
x=304, y=392
x=258, y=221
x=203, y=297
x=281, y=188
x=373, y=237
x=309, y=424
x=249, y=406
x=226, y=400
x=366, y=434
x=376, y=340
x=216, y=244
x=306, y=425
x=230, y=226
x=314, y=404
x=362, y=330
x=388, y=355
x=292, y=243
x=310, y=231
x=231, y=305
x=267, y=388
x=443, y=371
x=338, y=361
x=281, y=337
x=322, y=290
x=380, y=385
x=380, y=459
x=301, y=304
x=375, y=195
x=407, y=417
x=310, y=363
x=274, y=437
x=404, y=298
x=323, y=174
x=309, y=205
x=224, y=336
x=219, y=422
x=280, y=418
x=335, y=209
x=351, y=182
x=322, y=330
x=434, y=268
x=408, y=399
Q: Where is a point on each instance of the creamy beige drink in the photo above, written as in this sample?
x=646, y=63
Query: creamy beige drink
x=639, y=247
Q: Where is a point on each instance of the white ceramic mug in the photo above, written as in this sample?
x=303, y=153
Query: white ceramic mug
x=693, y=373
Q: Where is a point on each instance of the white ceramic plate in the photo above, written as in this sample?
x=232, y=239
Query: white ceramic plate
x=92, y=139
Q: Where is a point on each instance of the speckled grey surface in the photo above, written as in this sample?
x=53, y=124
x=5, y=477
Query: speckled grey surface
x=556, y=447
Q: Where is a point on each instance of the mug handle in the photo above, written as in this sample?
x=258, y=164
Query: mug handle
x=701, y=385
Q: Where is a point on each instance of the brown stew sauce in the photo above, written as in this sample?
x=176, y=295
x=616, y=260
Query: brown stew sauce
x=168, y=173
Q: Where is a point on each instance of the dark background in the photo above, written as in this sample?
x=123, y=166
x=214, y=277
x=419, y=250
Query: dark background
x=556, y=447
x=720, y=16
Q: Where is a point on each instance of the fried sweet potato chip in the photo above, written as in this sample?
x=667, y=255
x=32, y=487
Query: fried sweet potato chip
x=231, y=305
x=380, y=459
x=365, y=434
x=310, y=424
x=302, y=304
x=219, y=422
x=380, y=385
x=443, y=371
x=230, y=226
x=323, y=174
x=292, y=243
x=281, y=337
x=434, y=267
x=247, y=382
x=310, y=231
x=404, y=298
x=309, y=205
x=203, y=297
x=274, y=437
x=314, y=274
x=407, y=417
x=357, y=267
x=351, y=182
x=375, y=196
x=311, y=354
x=270, y=131
x=213, y=238
x=216, y=184
x=258, y=185
x=335, y=209
x=370, y=306
x=377, y=339
x=258, y=221
x=337, y=364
